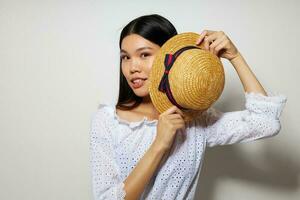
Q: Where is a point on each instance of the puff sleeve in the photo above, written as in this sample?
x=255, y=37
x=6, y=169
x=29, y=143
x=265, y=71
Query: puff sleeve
x=259, y=120
x=106, y=181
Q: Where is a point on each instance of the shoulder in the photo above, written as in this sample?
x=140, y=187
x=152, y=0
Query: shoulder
x=105, y=108
x=104, y=112
x=212, y=112
x=208, y=116
x=102, y=121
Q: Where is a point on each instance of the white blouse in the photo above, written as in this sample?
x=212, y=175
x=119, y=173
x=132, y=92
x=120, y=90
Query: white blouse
x=117, y=145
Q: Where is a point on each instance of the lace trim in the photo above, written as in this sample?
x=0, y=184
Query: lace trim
x=123, y=121
x=272, y=97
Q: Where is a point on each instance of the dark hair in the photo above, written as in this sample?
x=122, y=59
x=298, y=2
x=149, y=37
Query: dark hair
x=154, y=28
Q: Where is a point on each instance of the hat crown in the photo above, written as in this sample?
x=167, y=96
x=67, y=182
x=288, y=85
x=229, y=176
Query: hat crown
x=196, y=78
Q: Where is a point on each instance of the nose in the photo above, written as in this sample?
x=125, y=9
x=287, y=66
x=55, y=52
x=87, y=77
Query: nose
x=135, y=66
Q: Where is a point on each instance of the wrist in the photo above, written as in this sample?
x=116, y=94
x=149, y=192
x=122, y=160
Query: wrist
x=238, y=56
x=159, y=148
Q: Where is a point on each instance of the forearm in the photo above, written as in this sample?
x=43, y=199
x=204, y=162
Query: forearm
x=247, y=77
x=137, y=180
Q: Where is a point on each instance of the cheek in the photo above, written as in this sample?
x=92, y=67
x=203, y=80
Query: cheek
x=149, y=65
x=125, y=71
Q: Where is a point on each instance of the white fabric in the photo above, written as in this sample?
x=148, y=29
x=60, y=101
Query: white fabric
x=117, y=145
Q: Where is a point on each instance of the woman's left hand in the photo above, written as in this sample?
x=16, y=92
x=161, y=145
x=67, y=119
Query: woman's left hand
x=218, y=43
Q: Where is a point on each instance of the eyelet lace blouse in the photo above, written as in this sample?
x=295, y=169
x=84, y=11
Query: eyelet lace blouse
x=117, y=145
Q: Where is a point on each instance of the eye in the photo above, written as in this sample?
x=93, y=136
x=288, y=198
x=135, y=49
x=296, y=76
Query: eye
x=124, y=57
x=145, y=54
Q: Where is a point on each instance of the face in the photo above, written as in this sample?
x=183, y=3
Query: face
x=137, y=55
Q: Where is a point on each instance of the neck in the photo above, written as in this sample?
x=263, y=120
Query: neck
x=147, y=100
x=148, y=107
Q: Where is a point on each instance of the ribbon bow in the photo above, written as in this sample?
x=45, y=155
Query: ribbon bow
x=164, y=85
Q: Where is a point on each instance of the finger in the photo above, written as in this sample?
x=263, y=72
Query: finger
x=179, y=125
x=170, y=110
x=175, y=116
x=200, y=39
x=212, y=47
x=177, y=121
x=178, y=111
x=212, y=37
x=208, y=32
x=208, y=40
x=206, y=43
x=221, y=46
x=217, y=41
x=202, y=35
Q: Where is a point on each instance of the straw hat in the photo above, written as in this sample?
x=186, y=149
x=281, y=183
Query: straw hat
x=185, y=75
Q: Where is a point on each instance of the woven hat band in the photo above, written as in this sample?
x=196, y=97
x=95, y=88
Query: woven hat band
x=164, y=85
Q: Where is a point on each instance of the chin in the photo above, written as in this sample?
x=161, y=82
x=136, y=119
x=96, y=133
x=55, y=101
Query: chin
x=141, y=93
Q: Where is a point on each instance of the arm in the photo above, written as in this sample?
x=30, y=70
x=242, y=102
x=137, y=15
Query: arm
x=219, y=44
x=248, y=79
x=261, y=116
x=259, y=120
x=106, y=178
x=137, y=180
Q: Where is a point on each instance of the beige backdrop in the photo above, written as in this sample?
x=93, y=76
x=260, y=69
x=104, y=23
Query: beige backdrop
x=59, y=60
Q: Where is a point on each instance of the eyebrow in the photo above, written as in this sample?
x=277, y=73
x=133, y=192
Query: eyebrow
x=139, y=49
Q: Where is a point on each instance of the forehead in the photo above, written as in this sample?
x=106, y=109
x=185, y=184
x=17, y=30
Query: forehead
x=135, y=42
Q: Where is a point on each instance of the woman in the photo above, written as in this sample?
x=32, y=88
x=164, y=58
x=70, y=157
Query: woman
x=138, y=153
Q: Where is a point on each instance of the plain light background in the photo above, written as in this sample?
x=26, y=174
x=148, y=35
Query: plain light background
x=59, y=60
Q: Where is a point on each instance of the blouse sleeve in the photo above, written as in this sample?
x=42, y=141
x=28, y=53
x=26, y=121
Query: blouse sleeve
x=259, y=120
x=106, y=181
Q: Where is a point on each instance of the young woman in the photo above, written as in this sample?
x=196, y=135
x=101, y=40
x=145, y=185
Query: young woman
x=137, y=153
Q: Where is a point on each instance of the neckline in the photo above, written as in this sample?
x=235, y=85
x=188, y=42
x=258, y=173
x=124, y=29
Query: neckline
x=133, y=124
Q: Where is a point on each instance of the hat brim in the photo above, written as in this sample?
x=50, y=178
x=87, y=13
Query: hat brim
x=160, y=99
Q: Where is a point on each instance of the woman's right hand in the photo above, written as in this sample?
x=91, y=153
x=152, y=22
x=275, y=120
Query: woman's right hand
x=168, y=123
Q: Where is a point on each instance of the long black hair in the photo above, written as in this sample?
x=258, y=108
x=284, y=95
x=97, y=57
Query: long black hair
x=154, y=28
